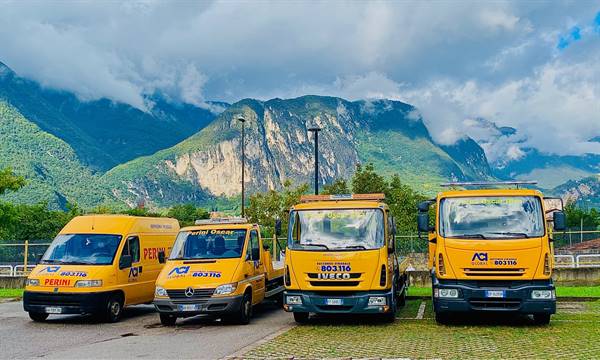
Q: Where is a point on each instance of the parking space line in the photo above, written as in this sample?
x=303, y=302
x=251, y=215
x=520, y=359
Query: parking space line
x=421, y=311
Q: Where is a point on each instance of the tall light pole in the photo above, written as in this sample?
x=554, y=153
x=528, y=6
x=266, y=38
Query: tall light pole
x=315, y=129
x=243, y=121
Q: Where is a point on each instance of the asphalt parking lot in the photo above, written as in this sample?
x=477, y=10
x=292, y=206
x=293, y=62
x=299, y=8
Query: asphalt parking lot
x=138, y=335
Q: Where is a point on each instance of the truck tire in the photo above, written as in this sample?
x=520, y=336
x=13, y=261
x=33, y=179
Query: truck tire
x=37, y=316
x=279, y=300
x=541, y=319
x=245, y=311
x=114, y=308
x=442, y=318
x=301, y=317
x=168, y=319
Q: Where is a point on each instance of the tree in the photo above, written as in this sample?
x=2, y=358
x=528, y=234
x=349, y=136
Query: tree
x=9, y=181
x=367, y=181
x=338, y=187
x=403, y=201
x=575, y=215
x=187, y=214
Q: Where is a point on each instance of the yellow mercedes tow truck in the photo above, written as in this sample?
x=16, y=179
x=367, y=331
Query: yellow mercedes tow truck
x=219, y=267
x=491, y=250
x=341, y=258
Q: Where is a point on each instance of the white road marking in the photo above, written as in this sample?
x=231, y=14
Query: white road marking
x=421, y=311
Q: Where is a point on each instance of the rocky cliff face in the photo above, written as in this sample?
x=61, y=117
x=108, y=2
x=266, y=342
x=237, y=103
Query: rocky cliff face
x=279, y=148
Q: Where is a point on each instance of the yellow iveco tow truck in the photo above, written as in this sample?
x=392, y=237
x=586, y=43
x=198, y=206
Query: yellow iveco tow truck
x=491, y=250
x=341, y=257
x=219, y=267
x=97, y=264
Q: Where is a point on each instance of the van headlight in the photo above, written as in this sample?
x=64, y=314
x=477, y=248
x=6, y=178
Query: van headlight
x=160, y=292
x=445, y=293
x=88, y=283
x=543, y=295
x=225, y=289
x=32, y=282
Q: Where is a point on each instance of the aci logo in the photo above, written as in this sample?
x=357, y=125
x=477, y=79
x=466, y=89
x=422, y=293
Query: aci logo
x=179, y=271
x=50, y=269
x=135, y=271
x=480, y=257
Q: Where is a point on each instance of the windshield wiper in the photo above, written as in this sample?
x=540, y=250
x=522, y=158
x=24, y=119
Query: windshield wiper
x=468, y=236
x=78, y=263
x=319, y=245
x=511, y=234
x=355, y=247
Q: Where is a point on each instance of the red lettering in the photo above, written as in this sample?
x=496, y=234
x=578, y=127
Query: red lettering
x=145, y=253
x=57, y=282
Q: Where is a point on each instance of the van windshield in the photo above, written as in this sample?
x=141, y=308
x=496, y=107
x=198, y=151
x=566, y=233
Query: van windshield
x=208, y=244
x=336, y=229
x=492, y=217
x=82, y=249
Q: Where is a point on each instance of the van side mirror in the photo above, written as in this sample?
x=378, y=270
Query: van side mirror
x=161, y=257
x=125, y=262
x=560, y=221
x=423, y=222
x=277, y=227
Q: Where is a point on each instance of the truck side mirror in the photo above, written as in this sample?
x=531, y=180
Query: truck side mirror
x=277, y=227
x=266, y=247
x=423, y=222
x=161, y=257
x=560, y=221
x=424, y=206
x=125, y=262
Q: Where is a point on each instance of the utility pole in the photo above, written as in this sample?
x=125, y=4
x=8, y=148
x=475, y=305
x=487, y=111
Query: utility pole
x=243, y=121
x=315, y=129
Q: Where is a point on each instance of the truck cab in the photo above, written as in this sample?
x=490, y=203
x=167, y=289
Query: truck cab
x=341, y=258
x=491, y=250
x=219, y=267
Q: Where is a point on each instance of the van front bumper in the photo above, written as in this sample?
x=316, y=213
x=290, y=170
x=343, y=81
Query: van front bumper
x=215, y=306
x=69, y=303
x=321, y=302
x=475, y=295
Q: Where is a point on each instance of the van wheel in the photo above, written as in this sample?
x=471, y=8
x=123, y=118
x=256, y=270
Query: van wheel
x=442, y=318
x=168, y=319
x=541, y=319
x=301, y=317
x=245, y=312
x=114, y=308
x=37, y=316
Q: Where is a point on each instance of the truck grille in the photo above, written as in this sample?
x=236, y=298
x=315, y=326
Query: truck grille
x=200, y=295
x=493, y=272
x=483, y=304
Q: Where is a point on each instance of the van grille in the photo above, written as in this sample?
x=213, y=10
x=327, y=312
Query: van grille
x=54, y=299
x=200, y=295
x=493, y=272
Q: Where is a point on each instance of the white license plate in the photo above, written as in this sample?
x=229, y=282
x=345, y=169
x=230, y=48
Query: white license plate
x=494, y=293
x=334, y=302
x=53, y=310
x=190, y=307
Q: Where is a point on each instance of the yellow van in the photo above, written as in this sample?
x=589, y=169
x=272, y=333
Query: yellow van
x=219, y=267
x=97, y=265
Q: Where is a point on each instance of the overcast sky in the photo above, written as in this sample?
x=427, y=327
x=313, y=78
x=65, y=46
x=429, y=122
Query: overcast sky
x=531, y=65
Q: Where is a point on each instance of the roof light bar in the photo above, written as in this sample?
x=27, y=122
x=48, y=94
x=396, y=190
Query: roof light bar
x=490, y=183
x=216, y=221
x=342, y=197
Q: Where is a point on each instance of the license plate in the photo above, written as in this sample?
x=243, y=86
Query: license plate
x=190, y=307
x=494, y=293
x=53, y=310
x=334, y=302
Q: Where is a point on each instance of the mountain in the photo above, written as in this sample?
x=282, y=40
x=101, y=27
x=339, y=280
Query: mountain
x=278, y=148
x=103, y=133
x=584, y=191
x=51, y=167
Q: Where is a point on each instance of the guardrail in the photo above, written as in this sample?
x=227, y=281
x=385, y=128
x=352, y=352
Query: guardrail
x=558, y=263
x=587, y=264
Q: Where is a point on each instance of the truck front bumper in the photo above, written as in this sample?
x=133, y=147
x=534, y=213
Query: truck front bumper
x=335, y=303
x=488, y=296
x=215, y=306
x=69, y=303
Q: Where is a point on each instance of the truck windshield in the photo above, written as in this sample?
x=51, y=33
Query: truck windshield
x=491, y=217
x=208, y=244
x=82, y=249
x=336, y=229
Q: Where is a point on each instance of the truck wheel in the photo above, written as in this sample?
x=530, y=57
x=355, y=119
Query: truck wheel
x=279, y=300
x=402, y=298
x=37, y=316
x=541, y=319
x=442, y=318
x=168, y=319
x=301, y=317
x=114, y=308
x=245, y=312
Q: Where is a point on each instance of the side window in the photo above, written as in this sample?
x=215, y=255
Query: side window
x=254, y=246
x=132, y=247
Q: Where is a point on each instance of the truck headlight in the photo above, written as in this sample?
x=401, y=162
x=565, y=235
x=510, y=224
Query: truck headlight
x=225, y=289
x=377, y=301
x=88, y=283
x=543, y=295
x=160, y=292
x=445, y=293
x=293, y=300
x=32, y=282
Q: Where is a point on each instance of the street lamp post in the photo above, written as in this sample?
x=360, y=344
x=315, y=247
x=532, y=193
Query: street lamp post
x=243, y=121
x=315, y=129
